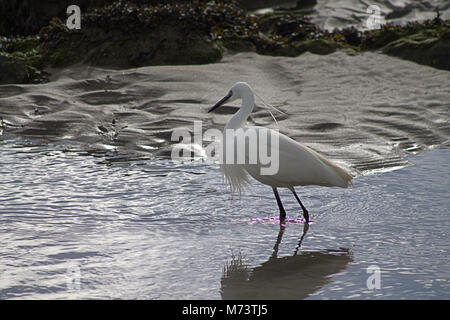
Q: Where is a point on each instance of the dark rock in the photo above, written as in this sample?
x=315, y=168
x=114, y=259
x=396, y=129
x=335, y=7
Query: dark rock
x=239, y=44
x=320, y=46
x=123, y=34
x=352, y=36
x=14, y=69
x=305, y=4
x=426, y=42
x=434, y=52
x=378, y=38
x=27, y=17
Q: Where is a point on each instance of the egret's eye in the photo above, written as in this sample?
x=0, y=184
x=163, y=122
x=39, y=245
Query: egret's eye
x=230, y=93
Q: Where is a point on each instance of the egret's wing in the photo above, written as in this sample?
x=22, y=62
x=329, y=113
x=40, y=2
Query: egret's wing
x=297, y=164
x=303, y=166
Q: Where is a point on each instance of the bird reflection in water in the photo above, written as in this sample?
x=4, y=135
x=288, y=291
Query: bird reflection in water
x=291, y=277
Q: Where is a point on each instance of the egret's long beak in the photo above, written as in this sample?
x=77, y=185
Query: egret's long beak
x=221, y=102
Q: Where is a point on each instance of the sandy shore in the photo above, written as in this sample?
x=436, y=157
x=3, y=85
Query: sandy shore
x=366, y=112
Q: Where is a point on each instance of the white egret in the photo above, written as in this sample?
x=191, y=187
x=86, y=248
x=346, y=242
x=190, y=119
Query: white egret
x=298, y=164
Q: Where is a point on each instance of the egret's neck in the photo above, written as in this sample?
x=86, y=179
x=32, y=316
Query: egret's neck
x=239, y=118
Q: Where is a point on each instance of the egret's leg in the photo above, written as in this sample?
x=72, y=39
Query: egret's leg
x=280, y=205
x=305, y=212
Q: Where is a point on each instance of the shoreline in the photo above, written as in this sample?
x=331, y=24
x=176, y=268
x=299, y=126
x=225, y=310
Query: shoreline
x=368, y=111
x=124, y=35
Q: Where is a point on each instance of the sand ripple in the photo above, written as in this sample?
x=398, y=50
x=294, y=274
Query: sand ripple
x=367, y=112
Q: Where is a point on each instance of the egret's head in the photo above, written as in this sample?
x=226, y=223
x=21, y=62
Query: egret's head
x=237, y=91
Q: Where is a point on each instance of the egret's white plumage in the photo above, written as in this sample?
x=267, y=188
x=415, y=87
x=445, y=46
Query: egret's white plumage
x=298, y=164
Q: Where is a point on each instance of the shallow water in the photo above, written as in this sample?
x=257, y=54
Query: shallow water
x=152, y=229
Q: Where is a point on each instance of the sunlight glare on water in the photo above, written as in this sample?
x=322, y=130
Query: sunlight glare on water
x=141, y=228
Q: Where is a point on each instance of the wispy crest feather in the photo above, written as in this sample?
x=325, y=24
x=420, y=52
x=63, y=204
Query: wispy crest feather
x=270, y=106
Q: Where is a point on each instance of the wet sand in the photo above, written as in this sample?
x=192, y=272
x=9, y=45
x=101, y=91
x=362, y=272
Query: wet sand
x=366, y=112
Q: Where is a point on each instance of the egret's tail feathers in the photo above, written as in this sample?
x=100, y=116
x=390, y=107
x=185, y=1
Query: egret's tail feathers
x=344, y=178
